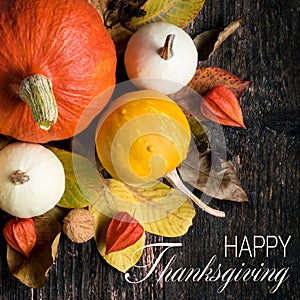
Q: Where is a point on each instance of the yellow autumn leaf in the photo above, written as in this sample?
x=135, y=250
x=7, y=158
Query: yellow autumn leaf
x=156, y=206
x=175, y=224
x=145, y=204
x=178, y=12
x=121, y=260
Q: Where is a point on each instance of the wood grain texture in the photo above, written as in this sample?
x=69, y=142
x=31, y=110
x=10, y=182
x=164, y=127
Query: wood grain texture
x=264, y=50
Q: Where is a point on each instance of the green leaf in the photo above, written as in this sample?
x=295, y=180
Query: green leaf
x=178, y=12
x=121, y=260
x=82, y=183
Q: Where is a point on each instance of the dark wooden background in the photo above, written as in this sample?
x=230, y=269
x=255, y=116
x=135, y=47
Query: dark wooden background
x=264, y=50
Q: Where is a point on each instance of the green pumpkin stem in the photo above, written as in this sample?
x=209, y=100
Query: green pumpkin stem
x=36, y=91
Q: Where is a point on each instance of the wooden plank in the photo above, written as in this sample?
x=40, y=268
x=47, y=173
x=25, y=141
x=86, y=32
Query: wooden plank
x=260, y=51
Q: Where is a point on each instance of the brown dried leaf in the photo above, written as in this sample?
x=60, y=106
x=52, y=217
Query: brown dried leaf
x=119, y=33
x=189, y=100
x=100, y=6
x=221, y=183
x=208, y=41
x=32, y=271
x=206, y=78
x=3, y=141
x=57, y=213
x=120, y=36
x=208, y=171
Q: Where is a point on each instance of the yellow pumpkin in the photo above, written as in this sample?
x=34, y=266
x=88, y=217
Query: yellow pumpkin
x=142, y=136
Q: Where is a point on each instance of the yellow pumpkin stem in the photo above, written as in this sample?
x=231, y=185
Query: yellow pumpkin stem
x=36, y=91
x=166, y=51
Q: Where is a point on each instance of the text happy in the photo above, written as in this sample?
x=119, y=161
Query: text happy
x=255, y=245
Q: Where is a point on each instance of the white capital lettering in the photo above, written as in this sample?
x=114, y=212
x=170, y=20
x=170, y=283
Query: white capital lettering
x=257, y=245
x=245, y=248
x=226, y=245
x=269, y=245
x=284, y=245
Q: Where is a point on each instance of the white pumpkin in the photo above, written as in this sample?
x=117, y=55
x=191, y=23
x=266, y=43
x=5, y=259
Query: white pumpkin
x=32, y=179
x=162, y=57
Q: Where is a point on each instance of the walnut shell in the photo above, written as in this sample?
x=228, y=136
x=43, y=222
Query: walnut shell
x=79, y=225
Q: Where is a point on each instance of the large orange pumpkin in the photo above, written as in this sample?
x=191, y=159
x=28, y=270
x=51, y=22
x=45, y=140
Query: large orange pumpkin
x=67, y=45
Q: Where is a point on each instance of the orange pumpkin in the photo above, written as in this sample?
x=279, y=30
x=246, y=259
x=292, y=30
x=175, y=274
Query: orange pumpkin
x=55, y=58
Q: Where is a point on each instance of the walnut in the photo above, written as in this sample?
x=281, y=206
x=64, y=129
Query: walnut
x=79, y=225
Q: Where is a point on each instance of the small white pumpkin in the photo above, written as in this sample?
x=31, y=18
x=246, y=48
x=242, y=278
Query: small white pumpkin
x=161, y=51
x=32, y=179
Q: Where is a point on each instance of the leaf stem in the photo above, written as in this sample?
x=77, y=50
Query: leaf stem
x=175, y=180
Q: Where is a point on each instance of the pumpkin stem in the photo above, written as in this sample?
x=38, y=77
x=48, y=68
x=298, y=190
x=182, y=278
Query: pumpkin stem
x=36, y=91
x=166, y=51
x=19, y=177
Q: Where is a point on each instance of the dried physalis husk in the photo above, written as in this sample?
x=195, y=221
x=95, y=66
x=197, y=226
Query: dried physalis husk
x=221, y=105
x=123, y=231
x=79, y=225
x=20, y=234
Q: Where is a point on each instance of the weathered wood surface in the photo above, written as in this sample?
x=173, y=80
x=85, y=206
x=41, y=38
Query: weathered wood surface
x=264, y=50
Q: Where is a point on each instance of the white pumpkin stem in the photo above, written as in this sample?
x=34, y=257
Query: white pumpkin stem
x=36, y=91
x=167, y=51
x=175, y=180
x=19, y=177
